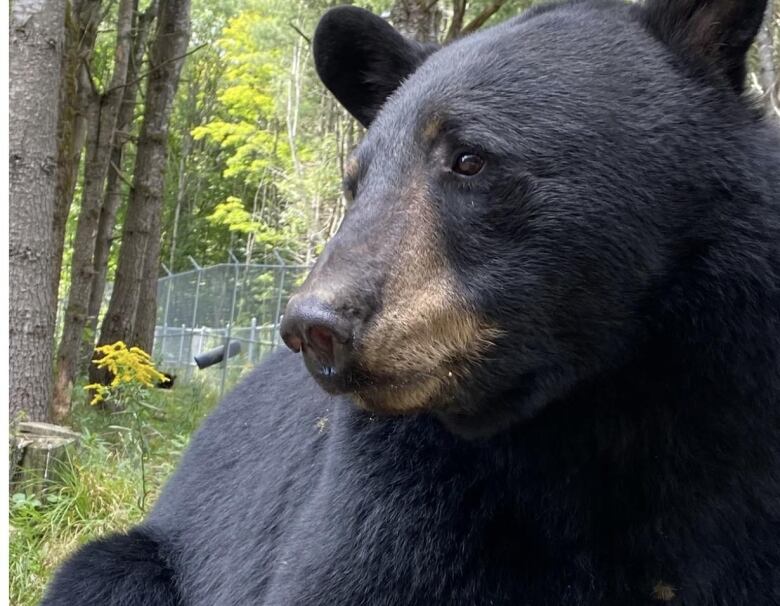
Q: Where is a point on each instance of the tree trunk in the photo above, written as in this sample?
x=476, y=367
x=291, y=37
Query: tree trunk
x=146, y=312
x=100, y=135
x=422, y=19
x=35, y=60
x=456, y=22
x=113, y=193
x=417, y=19
x=181, y=186
x=133, y=300
x=181, y=176
x=83, y=17
x=767, y=70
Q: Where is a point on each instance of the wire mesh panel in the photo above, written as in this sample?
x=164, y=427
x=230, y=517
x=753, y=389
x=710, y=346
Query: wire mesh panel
x=207, y=307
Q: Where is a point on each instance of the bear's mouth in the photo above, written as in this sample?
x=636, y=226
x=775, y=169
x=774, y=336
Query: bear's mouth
x=377, y=392
x=395, y=364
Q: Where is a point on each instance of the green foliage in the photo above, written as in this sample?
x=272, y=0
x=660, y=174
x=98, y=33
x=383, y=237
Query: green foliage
x=232, y=214
x=259, y=140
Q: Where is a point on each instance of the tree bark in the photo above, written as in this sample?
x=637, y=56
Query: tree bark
x=146, y=312
x=113, y=193
x=418, y=19
x=102, y=116
x=456, y=23
x=37, y=31
x=82, y=20
x=767, y=69
x=421, y=19
x=133, y=300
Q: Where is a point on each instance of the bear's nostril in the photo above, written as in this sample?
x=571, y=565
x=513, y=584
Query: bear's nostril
x=290, y=333
x=321, y=339
x=311, y=326
x=294, y=342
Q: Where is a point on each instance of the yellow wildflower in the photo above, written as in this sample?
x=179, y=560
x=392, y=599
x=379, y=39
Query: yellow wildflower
x=127, y=366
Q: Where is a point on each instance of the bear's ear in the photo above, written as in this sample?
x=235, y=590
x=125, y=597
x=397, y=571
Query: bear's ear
x=718, y=32
x=362, y=59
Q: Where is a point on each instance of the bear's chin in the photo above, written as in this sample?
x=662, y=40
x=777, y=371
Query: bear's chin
x=391, y=393
x=468, y=413
x=398, y=399
x=469, y=421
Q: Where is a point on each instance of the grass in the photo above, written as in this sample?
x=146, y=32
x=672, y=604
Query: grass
x=99, y=488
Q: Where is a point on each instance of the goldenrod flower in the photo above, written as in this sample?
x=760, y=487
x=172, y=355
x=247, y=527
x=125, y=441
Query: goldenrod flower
x=129, y=366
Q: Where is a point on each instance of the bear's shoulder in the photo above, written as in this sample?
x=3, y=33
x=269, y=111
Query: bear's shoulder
x=274, y=420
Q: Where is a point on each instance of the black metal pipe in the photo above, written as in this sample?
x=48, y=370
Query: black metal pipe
x=216, y=355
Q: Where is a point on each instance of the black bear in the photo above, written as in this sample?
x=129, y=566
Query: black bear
x=541, y=357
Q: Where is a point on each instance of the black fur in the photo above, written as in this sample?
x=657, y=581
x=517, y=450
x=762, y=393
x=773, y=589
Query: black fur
x=625, y=236
x=352, y=46
x=718, y=34
x=119, y=570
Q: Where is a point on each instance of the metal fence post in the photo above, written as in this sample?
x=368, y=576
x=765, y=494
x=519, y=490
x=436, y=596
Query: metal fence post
x=275, y=339
x=181, y=344
x=201, y=336
x=252, y=337
x=193, y=323
x=169, y=284
x=230, y=325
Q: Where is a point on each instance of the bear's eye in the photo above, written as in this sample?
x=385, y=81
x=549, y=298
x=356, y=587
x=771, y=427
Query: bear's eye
x=467, y=164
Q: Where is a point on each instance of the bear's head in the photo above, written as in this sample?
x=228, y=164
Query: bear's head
x=521, y=199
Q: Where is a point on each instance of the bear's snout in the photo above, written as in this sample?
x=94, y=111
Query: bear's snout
x=325, y=337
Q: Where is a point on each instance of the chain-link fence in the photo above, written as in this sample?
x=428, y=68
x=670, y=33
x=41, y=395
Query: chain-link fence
x=208, y=307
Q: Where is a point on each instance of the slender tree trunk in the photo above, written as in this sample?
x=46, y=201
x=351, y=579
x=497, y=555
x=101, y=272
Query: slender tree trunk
x=346, y=142
x=767, y=69
x=146, y=312
x=132, y=309
x=456, y=22
x=181, y=183
x=293, y=105
x=113, y=194
x=192, y=117
x=100, y=135
x=35, y=60
x=417, y=19
x=81, y=27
